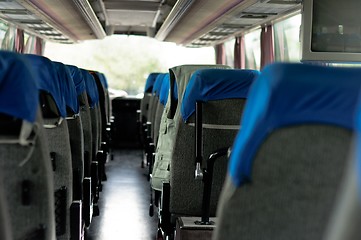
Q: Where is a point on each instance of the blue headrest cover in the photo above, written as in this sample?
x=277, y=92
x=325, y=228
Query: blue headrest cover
x=91, y=88
x=158, y=84
x=78, y=79
x=215, y=84
x=291, y=94
x=164, y=91
x=68, y=87
x=150, y=82
x=358, y=142
x=103, y=79
x=47, y=80
x=19, y=95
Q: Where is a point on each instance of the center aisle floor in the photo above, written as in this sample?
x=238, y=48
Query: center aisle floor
x=124, y=201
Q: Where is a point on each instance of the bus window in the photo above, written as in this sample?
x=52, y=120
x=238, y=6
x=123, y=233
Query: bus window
x=252, y=42
x=286, y=39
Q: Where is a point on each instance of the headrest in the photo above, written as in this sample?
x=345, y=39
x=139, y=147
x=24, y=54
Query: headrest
x=91, y=88
x=150, y=82
x=68, y=87
x=47, y=80
x=164, y=91
x=158, y=84
x=180, y=76
x=292, y=94
x=78, y=79
x=215, y=84
x=19, y=95
x=103, y=79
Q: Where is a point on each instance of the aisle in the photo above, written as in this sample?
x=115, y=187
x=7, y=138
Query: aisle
x=124, y=201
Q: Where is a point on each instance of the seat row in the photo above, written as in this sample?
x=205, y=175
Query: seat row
x=54, y=144
x=289, y=167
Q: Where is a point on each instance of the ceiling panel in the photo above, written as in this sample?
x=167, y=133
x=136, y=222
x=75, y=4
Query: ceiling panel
x=126, y=17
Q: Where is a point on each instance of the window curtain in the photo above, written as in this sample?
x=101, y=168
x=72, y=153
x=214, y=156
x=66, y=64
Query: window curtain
x=267, y=48
x=8, y=42
x=34, y=45
x=19, y=41
x=220, y=54
x=39, y=46
x=239, y=53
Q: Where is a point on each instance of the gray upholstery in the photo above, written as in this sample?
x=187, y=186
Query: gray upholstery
x=186, y=192
x=29, y=165
x=345, y=220
x=171, y=116
x=95, y=132
x=157, y=120
x=77, y=146
x=5, y=227
x=152, y=111
x=296, y=174
x=87, y=132
x=154, y=115
x=99, y=125
x=144, y=107
x=59, y=143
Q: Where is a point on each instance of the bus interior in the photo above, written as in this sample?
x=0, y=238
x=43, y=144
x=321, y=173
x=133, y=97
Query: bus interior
x=250, y=130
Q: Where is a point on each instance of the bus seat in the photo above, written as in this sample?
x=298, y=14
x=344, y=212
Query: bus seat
x=144, y=105
x=222, y=94
x=288, y=159
x=103, y=106
x=76, y=139
x=79, y=82
x=178, y=79
x=25, y=167
x=5, y=225
x=54, y=113
x=345, y=219
x=154, y=103
x=179, y=76
x=163, y=97
x=93, y=98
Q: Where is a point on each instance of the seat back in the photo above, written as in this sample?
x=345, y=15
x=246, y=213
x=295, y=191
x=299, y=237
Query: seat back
x=54, y=112
x=75, y=127
x=79, y=82
x=26, y=170
x=144, y=104
x=179, y=77
x=288, y=159
x=5, y=227
x=93, y=98
x=163, y=97
x=222, y=93
x=155, y=105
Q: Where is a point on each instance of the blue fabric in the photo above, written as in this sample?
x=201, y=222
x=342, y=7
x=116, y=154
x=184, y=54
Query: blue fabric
x=68, y=87
x=47, y=80
x=358, y=142
x=215, y=84
x=175, y=90
x=103, y=80
x=158, y=84
x=78, y=79
x=19, y=95
x=150, y=82
x=91, y=88
x=164, y=91
x=291, y=94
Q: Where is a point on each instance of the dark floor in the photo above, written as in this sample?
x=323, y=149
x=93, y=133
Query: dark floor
x=124, y=201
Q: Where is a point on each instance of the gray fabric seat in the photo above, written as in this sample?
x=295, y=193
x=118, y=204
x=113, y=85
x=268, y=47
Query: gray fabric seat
x=25, y=167
x=93, y=100
x=54, y=113
x=85, y=117
x=5, y=227
x=288, y=159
